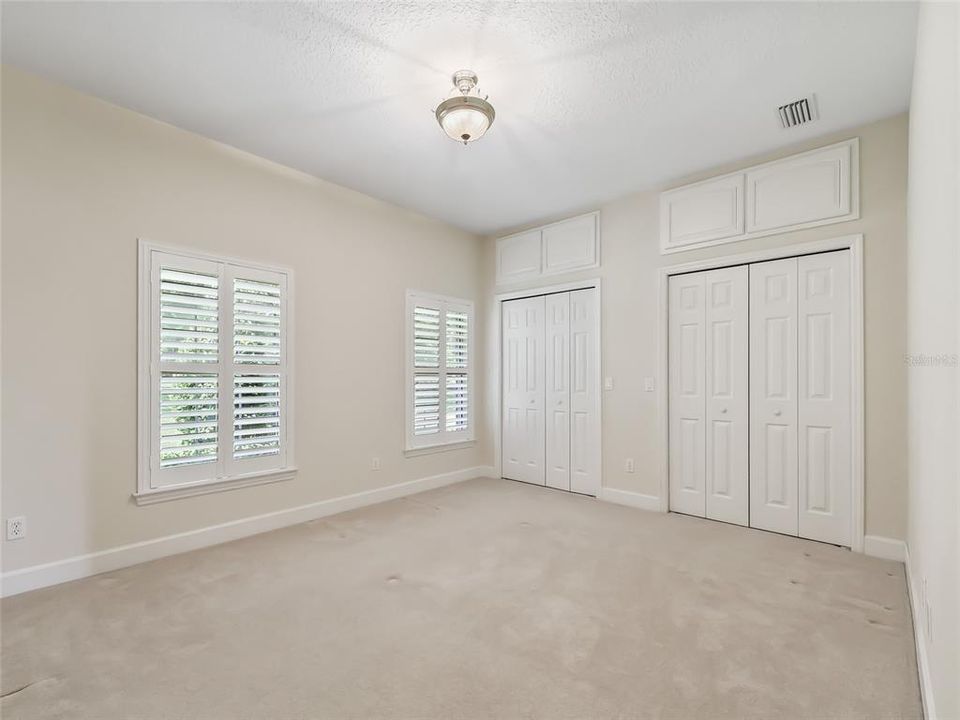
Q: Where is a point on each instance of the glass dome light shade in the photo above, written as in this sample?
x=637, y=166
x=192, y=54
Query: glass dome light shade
x=465, y=118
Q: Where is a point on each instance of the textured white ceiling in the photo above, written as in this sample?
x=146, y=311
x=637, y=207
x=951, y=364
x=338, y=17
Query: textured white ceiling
x=594, y=100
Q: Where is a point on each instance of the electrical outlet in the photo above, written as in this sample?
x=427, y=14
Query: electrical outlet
x=648, y=384
x=608, y=383
x=16, y=528
x=628, y=465
x=375, y=464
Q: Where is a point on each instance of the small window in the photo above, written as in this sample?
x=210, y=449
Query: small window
x=439, y=371
x=214, y=378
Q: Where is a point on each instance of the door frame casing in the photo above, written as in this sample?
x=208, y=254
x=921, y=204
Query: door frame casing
x=498, y=300
x=853, y=243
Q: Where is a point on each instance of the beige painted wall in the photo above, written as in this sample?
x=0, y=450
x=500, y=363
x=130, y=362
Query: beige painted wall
x=630, y=260
x=81, y=181
x=933, y=341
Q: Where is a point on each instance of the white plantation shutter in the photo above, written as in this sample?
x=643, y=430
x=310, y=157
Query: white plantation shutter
x=214, y=379
x=458, y=403
x=457, y=326
x=189, y=414
x=256, y=416
x=256, y=322
x=426, y=404
x=189, y=316
x=426, y=337
x=439, y=369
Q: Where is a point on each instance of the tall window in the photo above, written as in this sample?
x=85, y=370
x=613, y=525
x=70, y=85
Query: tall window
x=439, y=370
x=214, y=379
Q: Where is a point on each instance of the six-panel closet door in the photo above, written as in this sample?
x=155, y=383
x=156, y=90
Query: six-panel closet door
x=522, y=446
x=708, y=433
x=584, y=393
x=773, y=396
x=801, y=422
x=824, y=390
x=551, y=413
x=760, y=390
x=558, y=390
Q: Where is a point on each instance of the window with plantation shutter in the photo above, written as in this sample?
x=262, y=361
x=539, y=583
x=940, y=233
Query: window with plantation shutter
x=439, y=371
x=214, y=376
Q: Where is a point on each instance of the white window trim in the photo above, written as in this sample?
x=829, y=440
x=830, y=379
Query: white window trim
x=148, y=491
x=444, y=439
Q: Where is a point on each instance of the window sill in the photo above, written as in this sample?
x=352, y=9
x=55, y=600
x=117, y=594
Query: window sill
x=439, y=448
x=150, y=497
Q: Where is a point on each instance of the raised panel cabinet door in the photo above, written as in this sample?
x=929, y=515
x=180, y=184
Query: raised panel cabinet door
x=825, y=380
x=687, y=394
x=806, y=188
x=558, y=390
x=584, y=393
x=727, y=395
x=518, y=257
x=773, y=396
x=701, y=213
x=571, y=244
x=522, y=445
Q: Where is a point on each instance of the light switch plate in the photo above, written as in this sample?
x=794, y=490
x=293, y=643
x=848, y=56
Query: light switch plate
x=608, y=383
x=648, y=384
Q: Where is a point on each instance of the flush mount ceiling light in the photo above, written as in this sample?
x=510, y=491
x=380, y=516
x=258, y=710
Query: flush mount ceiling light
x=466, y=116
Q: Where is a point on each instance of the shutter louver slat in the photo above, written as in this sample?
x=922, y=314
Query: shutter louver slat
x=188, y=316
x=188, y=419
x=458, y=398
x=426, y=337
x=256, y=415
x=256, y=322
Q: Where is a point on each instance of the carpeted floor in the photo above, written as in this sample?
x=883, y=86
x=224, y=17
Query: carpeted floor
x=487, y=599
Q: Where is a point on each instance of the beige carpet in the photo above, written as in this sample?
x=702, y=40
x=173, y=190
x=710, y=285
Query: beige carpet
x=487, y=599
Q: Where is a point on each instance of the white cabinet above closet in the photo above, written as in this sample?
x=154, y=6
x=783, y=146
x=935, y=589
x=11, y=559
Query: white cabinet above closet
x=818, y=187
x=707, y=211
x=565, y=246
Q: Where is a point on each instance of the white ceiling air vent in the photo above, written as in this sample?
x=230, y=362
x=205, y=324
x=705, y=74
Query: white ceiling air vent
x=798, y=112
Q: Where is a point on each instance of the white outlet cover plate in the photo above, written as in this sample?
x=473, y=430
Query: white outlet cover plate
x=16, y=528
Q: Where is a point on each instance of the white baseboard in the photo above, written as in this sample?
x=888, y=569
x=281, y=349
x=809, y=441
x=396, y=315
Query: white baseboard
x=923, y=662
x=81, y=566
x=631, y=499
x=883, y=547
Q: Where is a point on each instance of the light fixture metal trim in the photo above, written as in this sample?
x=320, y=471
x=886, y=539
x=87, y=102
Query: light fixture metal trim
x=465, y=81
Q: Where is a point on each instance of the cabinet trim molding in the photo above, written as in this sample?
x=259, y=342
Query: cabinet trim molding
x=845, y=157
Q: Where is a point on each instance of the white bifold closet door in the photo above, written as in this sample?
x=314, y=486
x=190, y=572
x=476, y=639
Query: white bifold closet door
x=584, y=393
x=760, y=395
x=551, y=419
x=708, y=434
x=523, y=390
x=558, y=390
x=801, y=397
x=773, y=396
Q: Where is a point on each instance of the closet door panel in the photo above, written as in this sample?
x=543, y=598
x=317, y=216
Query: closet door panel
x=687, y=394
x=584, y=396
x=523, y=390
x=773, y=396
x=558, y=390
x=824, y=372
x=727, y=399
